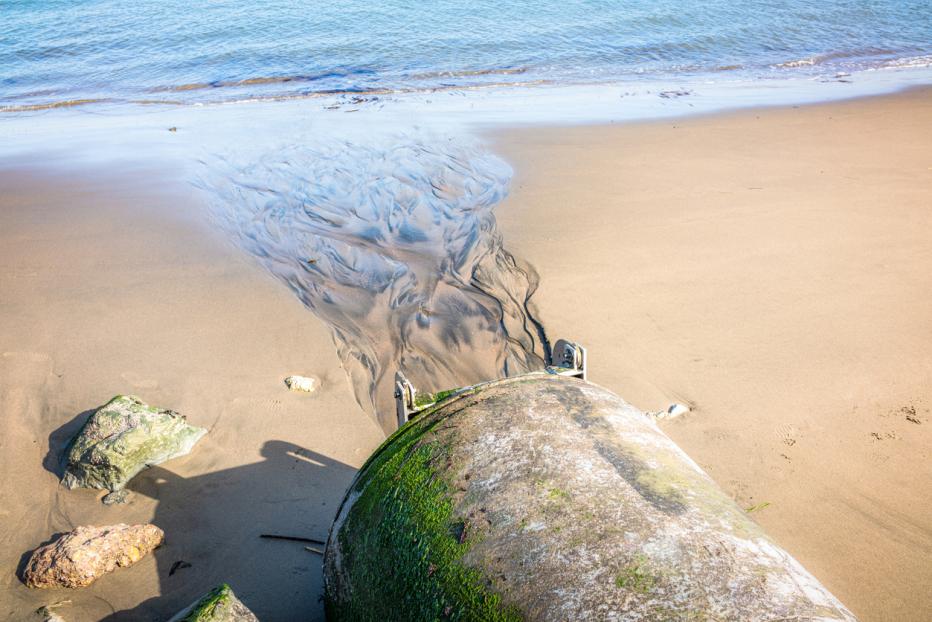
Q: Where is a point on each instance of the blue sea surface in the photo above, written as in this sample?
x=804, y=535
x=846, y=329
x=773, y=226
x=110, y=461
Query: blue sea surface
x=58, y=53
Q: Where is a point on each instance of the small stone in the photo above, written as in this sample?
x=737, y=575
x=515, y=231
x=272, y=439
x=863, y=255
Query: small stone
x=674, y=410
x=218, y=605
x=80, y=557
x=301, y=383
x=117, y=496
x=122, y=438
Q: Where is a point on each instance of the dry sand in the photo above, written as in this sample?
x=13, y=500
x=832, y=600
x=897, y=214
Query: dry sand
x=116, y=285
x=772, y=269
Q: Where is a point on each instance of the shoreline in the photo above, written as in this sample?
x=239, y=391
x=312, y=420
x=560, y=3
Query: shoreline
x=770, y=269
x=115, y=131
x=876, y=81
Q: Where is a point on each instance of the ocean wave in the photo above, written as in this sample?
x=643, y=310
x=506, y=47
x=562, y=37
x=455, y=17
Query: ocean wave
x=255, y=81
x=65, y=103
x=262, y=89
x=863, y=55
x=467, y=73
x=398, y=88
x=792, y=64
x=911, y=62
x=356, y=95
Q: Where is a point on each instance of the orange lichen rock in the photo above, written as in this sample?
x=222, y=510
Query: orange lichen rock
x=82, y=556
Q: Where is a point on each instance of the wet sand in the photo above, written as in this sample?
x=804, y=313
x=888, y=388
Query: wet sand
x=392, y=242
x=773, y=270
x=118, y=284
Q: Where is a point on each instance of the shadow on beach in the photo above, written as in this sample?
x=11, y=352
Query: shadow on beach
x=212, y=525
x=59, y=442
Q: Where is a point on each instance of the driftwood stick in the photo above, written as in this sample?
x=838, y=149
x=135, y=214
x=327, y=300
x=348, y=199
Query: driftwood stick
x=272, y=536
x=313, y=550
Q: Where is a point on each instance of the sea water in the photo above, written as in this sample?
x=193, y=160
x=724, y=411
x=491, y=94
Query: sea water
x=57, y=53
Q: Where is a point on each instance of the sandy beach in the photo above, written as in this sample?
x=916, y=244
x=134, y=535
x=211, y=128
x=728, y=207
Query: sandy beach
x=772, y=269
x=116, y=283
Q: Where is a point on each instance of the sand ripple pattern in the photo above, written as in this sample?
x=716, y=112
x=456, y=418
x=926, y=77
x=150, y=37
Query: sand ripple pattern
x=396, y=247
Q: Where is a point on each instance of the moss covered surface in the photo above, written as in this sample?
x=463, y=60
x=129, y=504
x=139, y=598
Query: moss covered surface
x=401, y=544
x=218, y=605
x=636, y=576
x=122, y=438
x=422, y=400
x=546, y=498
x=210, y=605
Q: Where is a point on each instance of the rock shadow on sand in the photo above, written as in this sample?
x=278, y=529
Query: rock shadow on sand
x=213, y=523
x=60, y=440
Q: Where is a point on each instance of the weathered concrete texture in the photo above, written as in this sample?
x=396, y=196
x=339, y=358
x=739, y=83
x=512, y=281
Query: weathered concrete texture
x=122, y=438
x=549, y=498
x=218, y=605
x=80, y=557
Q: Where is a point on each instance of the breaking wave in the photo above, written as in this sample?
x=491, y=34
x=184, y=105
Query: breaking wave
x=394, y=245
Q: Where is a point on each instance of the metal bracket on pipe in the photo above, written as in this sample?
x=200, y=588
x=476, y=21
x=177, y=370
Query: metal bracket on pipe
x=568, y=359
x=404, y=398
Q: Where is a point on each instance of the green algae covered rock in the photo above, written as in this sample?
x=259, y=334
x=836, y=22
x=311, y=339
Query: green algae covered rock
x=122, y=438
x=217, y=605
x=548, y=498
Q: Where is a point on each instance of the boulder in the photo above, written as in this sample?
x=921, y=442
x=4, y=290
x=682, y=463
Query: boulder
x=545, y=497
x=122, y=438
x=80, y=557
x=218, y=605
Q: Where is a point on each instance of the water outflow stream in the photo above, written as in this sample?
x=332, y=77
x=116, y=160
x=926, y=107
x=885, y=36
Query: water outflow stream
x=393, y=243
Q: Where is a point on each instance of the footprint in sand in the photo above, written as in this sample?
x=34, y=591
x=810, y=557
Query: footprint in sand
x=789, y=434
x=911, y=414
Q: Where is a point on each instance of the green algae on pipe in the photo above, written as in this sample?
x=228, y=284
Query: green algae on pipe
x=544, y=497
